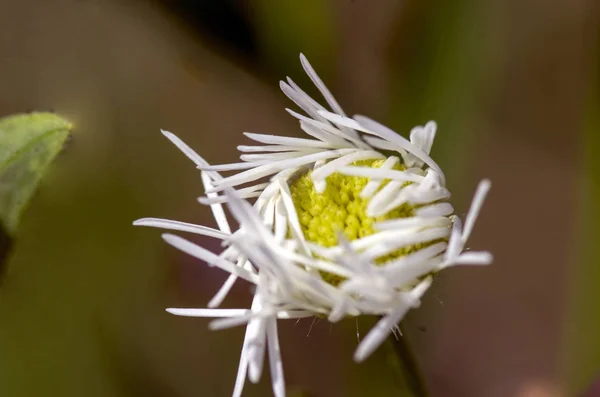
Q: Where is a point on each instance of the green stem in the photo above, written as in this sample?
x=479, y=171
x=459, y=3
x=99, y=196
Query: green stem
x=405, y=366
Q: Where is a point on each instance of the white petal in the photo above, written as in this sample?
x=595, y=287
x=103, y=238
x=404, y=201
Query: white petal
x=293, y=221
x=213, y=313
x=374, y=184
x=331, y=167
x=275, y=156
x=474, y=258
x=478, y=199
x=412, y=222
x=257, y=335
x=317, y=129
x=289, y=141
x=320, y=85
x=275, y=148
x=223, y=291
x=406, y=273
x=281, y=222
x=240, y=378
x=384, y=327
x=224, y=323
x=217, y=209
x=275, y=362
x=392, y=138
x=455, y=245
x=437, y=209
x=181, y=226
x=379, y=332
x=423, y=137
x=207, y=256
x=378, y=203
x=272, y=168
x=380, y=174
x=300, y=98
x=223, y=199
x=332, y=130
x=403, y=240
x=247, y=192
x=188, y=151
x=326, y=266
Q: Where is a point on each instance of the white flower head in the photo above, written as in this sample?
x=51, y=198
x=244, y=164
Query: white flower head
x=353, y=220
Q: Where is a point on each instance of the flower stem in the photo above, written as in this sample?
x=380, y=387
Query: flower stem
x=405, y=367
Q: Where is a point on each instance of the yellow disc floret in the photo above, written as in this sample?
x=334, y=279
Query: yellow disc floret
x=340, y=208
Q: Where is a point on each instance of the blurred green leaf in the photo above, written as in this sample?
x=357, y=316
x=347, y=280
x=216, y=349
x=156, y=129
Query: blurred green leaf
x=436, y=57
x=583, y=354
x=287, y=28
x=28, y=144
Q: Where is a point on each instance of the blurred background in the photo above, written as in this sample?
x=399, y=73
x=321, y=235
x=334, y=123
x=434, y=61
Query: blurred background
x=513, y=84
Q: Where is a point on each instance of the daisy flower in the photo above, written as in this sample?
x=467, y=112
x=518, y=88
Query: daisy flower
x=352, y=220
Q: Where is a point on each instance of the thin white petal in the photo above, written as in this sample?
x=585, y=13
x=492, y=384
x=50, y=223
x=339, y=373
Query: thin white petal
x=318, y=130
x=332, y=166
x=275, y=362
x=223, y=291
x=378, y=203
x=335, y=131
x=379, y=332
x=401, y=144
x=329, y=267
x=293, y=221
x=478, y=199
x=321, y=86
x=290, y=314
x=256, y=342
x=437, y=209
x=275, y=156
x=188, y=151
x=423, y=137
x=455, y=244
x=247, y=192
x=181, y=226
x=223, y=199
x=300, y=98
x=234, y=166
x=412, y=222
x=384, y=327
x=412, y=271
x=269, y=169
x=403, y=240
x=217, y=209
x=224, y=323
x=207, y=256
x=374, y=184
x=474, y=258
x=213, y=313
x=281, y=222
x=240, y=378
x=392, y=138
x=288, y=141
x=380, y=174
x=276, y=148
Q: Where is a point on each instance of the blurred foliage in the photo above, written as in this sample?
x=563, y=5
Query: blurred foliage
x=28, y=144
x=435, y=56
x=583, y=344
x=288, y=28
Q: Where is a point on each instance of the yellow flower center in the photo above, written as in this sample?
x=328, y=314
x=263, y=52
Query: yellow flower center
x=341, y=208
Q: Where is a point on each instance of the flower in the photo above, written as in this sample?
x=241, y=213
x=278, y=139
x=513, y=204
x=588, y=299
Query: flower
x=352, y=221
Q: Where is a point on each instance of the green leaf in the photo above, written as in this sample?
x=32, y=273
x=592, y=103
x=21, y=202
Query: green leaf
x=28, y=144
